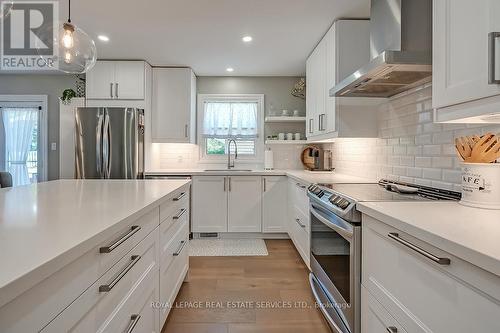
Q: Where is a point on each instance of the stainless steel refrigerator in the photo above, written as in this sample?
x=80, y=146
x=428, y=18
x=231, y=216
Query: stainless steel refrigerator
x=109, y=143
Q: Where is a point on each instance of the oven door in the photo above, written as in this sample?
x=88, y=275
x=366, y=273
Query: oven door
x=335, y=265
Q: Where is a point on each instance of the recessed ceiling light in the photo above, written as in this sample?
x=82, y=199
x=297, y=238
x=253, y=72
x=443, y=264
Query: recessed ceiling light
x=230, y=69
x=103, y=38
x=247, y=39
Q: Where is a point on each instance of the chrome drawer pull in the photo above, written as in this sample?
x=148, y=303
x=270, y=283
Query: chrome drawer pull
x=440, y=261
x=301, y=225
x=176, y=253
x=178, y=216
x=107, y=287
x=392, y=329
x=134, y=319
x=179, y=197
x=119, y=241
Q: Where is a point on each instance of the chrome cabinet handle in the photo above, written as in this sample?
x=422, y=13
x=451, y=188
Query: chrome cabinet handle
x=265, y=184
x=179, y=197
x=116, y=90
x=134, y=319
x=301, y=186
x=229, y=185
x=298, y=222
x=108, y=287
x=121, y=240
x=419, y=250
x=176, y=253
x=392, y=329
x=224, y=184
x=311, y=124
x=111, y=90
x=186, y=130
x=492, y=36
x=178, y=216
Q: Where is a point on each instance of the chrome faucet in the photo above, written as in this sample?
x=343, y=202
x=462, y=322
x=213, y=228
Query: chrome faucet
x=229, y=165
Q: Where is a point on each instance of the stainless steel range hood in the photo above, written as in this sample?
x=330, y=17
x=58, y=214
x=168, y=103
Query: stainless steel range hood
x=400, y=49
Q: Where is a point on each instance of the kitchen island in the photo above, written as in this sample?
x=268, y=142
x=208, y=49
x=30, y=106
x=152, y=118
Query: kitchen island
x=59, y=239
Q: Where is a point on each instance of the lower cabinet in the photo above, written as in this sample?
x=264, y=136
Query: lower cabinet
x=244, y=204
x=299, y=227
x=274, y=204
x=121, y=294
x=239, y=204
x=374, y=318
x=422, y=287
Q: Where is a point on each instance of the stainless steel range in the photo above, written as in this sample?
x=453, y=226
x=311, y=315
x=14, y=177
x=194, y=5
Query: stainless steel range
x=336, y=243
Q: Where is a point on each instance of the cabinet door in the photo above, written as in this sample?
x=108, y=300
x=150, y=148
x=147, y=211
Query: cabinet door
x=172, y=105
x=100, y=80
x=460, y=50
x=129, y=80
x=310, y=98
x=245, y=204
x=374, y=318
x=274, y=204
x=330, y=77
x=319, y=68
x=209, y=210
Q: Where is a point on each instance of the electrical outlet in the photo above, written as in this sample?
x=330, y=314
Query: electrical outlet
x=53, y=146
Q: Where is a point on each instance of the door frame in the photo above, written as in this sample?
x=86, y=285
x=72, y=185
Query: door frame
x=43, y=140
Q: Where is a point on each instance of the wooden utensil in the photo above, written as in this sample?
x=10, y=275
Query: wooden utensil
x=463, y=148
x=486, y=150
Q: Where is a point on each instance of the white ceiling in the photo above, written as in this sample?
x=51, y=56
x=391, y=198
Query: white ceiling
x=206, y=34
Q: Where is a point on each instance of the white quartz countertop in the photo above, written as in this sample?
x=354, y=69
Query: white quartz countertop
x=471, y=234
x=309, y=177
x=44, y=227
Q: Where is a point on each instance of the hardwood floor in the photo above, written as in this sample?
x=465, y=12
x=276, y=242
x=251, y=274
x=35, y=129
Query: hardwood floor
x=247, y=294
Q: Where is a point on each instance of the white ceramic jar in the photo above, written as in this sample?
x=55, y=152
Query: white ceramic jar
x=481, y=185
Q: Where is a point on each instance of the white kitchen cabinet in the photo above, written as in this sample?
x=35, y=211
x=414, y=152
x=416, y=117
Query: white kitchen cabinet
x=174, y=105
x=298, y=224
x=121, y=80
x=343, y=50
x=274, y=204
x=244, y=204
x=209, y=210
x=460, y=79
x=420, y=290
x=374, y=318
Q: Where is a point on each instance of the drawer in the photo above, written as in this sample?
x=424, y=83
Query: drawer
x=175, y=202
x=374, y=318
x=98, y=305
x=55, y=293
x=180, y=211
x=171, y=239
x=299, y=196
x=301, y=235
x=171, y=277
x=421, y=294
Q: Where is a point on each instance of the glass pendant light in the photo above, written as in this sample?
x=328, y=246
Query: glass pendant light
x=74, y=51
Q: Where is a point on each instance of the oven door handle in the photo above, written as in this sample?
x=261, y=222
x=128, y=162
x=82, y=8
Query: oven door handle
x=313, y=281
x=332, y=224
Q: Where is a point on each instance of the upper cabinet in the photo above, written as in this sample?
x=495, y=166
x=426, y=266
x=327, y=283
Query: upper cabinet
x=120, y=80
x=344, y=49
x=466, y=60
x=174, y=105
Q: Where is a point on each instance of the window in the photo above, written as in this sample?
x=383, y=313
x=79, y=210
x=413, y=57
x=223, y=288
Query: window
x=23, y=138
x=226, y=117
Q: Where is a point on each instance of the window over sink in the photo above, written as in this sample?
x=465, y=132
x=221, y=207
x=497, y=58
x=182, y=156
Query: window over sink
x=226, y=117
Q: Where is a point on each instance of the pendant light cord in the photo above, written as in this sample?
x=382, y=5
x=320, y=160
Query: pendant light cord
x=69, y=11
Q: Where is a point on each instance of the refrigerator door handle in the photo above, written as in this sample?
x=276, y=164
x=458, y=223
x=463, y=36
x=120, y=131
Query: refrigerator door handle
x=98, y=146
x=106, y=147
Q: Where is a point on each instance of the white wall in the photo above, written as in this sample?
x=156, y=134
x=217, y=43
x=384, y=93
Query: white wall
x=277, y=93
x=410, y=147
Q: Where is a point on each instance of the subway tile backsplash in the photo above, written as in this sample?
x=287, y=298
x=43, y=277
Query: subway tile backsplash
x=410, y=146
